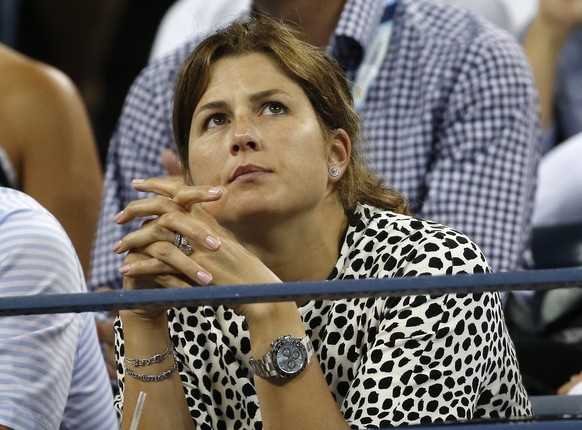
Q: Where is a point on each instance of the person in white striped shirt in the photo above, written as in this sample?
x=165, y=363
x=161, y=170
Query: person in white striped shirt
x=52, y=375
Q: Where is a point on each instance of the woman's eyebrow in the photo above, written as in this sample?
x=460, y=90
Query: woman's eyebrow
x=217, y=104
x=221, y=104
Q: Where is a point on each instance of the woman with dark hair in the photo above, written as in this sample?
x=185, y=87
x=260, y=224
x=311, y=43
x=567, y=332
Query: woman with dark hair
x=275, y=191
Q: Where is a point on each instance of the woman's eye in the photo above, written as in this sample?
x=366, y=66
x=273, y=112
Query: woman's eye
x=214, y=121
x=274, y=109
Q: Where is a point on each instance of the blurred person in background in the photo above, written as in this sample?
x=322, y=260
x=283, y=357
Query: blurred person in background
x=185, y=18
x=52, y=372
x=552, y=43
x=47, y=145
x=548, y=323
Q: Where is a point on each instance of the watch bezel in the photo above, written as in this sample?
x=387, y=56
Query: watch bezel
x=278, y=344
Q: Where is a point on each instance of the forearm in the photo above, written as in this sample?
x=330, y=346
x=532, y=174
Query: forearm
x=165, y=405
x=543, y=43
x=289, y=404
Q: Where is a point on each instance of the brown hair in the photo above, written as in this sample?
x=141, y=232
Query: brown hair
x=320, y=77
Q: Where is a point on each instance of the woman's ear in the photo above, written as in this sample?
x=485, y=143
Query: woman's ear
x=338, y=157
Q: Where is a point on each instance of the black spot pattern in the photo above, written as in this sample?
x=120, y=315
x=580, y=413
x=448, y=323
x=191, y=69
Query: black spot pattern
x=388, y=361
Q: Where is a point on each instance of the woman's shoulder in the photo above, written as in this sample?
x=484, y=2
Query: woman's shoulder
x=371, y=219
x=32, y=92
x=388, y=244
x=23, y=76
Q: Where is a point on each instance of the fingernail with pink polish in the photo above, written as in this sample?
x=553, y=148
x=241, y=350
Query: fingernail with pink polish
x=212, y=243
x=124, y=269
x=137, y=181
x=203, y=277
x=116, y=247
x=214, y=191
x=118, y=216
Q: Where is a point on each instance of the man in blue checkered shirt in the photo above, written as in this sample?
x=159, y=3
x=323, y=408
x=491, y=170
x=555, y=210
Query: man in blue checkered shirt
x=451, y=119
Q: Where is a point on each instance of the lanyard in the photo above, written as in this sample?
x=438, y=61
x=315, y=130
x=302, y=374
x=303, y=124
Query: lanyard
x=375, y=55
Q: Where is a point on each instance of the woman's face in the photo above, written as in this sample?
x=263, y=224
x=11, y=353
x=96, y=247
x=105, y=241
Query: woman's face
x=255, y=132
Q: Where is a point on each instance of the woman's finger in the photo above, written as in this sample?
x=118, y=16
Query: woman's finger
x=171, y=187
x=149, y=233
x=173, y=281
x=166, y=259
x=153, y=206
x=166, y=228
x=167, y=186
x=190, y=196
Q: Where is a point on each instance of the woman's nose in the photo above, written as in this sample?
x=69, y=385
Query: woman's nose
x=244, y=136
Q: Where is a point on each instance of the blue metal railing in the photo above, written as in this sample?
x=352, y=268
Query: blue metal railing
x=557, y=423
x=236, y=294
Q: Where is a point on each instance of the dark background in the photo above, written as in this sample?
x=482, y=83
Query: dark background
x=101, y=44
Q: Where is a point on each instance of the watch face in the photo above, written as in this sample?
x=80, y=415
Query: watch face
x=290, y=357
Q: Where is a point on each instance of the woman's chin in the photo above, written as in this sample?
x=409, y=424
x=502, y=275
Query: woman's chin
x=246, y=216
x=234, y=212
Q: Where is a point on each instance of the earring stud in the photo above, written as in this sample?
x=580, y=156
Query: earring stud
x=333, y=172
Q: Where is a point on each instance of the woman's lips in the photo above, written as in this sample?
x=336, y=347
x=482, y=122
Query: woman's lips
x=248, y=172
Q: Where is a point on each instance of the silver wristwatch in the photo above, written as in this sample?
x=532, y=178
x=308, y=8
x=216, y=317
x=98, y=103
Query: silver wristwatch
x=287, y=358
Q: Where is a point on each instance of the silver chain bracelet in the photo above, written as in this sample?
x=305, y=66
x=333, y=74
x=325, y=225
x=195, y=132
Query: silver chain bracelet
x=156, y=358
x=153, y=378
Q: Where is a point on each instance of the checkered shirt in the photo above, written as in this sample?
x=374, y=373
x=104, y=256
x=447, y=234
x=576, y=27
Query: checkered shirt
x=451, y=121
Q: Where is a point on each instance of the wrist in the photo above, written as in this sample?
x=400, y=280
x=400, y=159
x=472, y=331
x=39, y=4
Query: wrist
x=268, y=321
x=145, y=338
x=259, y=315
x=150, y=323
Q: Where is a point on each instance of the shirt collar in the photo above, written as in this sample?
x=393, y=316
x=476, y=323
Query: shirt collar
x=359, y=20
x=355, y=31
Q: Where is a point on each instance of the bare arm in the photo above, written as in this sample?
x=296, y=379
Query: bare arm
x=288, y=404
x=48, y=136
x=165, y=405
x=543, y=43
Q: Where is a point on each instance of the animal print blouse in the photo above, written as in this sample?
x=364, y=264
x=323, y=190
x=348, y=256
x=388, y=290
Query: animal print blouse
x=388, y=361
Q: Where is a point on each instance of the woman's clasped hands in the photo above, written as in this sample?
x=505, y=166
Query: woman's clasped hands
x=154, y=258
